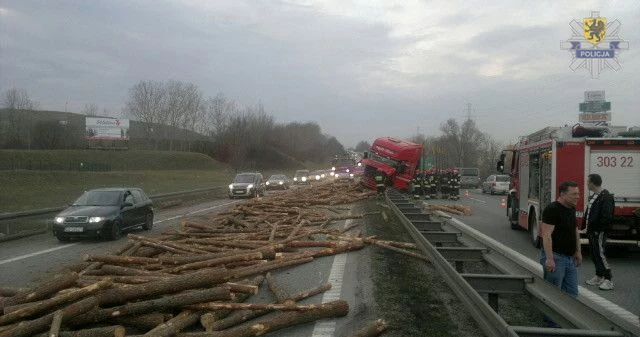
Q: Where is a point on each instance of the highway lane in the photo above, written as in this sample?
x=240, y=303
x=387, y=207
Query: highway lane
x=489, y=218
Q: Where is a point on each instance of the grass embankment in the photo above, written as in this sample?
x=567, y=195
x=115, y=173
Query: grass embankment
x=25, y=190
x=41, y=179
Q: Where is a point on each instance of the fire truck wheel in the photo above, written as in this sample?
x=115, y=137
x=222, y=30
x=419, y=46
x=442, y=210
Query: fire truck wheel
x=534, y=230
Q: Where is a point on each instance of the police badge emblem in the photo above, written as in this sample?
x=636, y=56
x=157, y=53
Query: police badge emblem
x=595, y=29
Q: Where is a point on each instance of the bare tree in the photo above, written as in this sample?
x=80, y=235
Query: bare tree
x=17, y=104
x=90, y=110
x=146, y=103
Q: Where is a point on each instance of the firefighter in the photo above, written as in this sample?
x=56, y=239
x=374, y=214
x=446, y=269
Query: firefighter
x=380, y=183
x=415, y=186
x=454, y=184
x=432, y=190
x=424, y=185
x=443, y=182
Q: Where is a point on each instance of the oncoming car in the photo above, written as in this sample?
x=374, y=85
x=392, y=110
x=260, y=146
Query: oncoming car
x=247, y=185
x=318, y=175
x=104, y=212
x=301, y=177
x=496, y=183
x=278, y=181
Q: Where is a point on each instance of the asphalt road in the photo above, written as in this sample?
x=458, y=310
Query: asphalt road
x=31, y=259
x=489, y=218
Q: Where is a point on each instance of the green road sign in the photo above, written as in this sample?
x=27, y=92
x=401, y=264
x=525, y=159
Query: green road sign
x=595, y=106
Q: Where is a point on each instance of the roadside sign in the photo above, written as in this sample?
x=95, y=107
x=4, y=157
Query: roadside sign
x=594, y=117
x=594, y=96
x=594, y=106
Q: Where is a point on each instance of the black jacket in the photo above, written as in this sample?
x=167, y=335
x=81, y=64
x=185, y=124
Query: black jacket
x=600, y=215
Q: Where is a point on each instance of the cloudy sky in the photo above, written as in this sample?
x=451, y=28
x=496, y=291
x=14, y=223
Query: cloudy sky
x=361, y=69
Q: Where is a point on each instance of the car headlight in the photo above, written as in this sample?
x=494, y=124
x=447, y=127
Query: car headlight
x=322, y=175
x=351, y=175
x=280, y=182
x=267, y=183
x=231, y=186
x=94, y=219
x=317, y=177
x=295, y=179
x=332, y=173
x=347, y=170
x=359, y=164
x=304, y=178
x=333, y=168
x=250, y=186
x=59, y=219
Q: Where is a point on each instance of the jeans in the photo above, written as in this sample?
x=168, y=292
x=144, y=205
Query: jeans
x=564, y=276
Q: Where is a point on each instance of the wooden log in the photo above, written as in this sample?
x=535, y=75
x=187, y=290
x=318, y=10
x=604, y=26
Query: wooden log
x=402, y=251
x=143, y=322
x=43, y=306
x=117, y=259
x=218, y=261
x=265, y=267
x=54, y=331
x=107, y=331
x=160, y=304
x=43, y=289
x=29, y=328
x=242, y=288
x=199, y=279
x=168, y=244
x=127, y=271
x=253, y=306
x=10, y=291
x=406, y=245
x=124, y=279
x=332, y=309
x=372, y=330
x=171, y=327
x=281, y=295
x=238, y=317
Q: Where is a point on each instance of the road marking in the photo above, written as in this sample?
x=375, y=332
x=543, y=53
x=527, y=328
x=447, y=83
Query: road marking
x=325, y=329
x=26, y=256
x=478, y=200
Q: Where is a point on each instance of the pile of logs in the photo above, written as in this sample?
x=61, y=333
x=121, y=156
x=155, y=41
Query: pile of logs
x=194, y=280
x=450, y=208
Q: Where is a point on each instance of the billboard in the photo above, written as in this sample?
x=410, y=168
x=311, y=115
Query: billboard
x=98, y=128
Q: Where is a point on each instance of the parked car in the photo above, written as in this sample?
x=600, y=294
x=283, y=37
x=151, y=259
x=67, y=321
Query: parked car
x=301, y=177
x=278, y=182
x=248, y=184
x=496, y=183
x=104, y=212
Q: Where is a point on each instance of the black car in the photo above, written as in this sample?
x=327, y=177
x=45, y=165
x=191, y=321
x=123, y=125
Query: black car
x=278, y=182
x=104, y=212
x=248, y=184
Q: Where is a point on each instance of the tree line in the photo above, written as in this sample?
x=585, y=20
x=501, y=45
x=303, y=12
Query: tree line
x=177, y=116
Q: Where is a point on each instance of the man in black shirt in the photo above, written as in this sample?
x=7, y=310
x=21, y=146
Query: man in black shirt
x=561, y=252
x=598, y=218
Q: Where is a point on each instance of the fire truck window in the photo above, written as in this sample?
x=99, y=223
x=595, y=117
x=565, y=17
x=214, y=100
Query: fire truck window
x=534, y=177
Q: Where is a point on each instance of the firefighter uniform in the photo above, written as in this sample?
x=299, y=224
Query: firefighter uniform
x=430, y=184
x=454, y=185
x=380, y=180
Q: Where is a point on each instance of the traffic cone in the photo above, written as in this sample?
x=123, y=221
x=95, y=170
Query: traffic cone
x=466, y=193
x=503, y=203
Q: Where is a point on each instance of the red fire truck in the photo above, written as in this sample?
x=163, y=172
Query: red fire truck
x=397, y=159
x=544, y=159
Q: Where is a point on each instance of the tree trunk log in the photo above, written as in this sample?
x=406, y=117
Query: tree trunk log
x=175, y=325
x=107, y=331
x=281, y=295
x=43, y=306
x=332, y=309
x=372, y=330
x=117, y=259
x=143, y=322
x=54, y=331
x=43, y=290
x=217, y=261
x=29, y=328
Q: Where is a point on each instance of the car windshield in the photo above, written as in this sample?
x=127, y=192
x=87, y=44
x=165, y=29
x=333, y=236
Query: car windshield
x=502, y=178
x=244, y=178
x=382, y=159
x=277, y=177
x=98, y=198
x=302, y=173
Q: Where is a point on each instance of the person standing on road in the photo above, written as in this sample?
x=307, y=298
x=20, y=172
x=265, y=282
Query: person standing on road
x=561, y=254
x=380, y=183
x=598, y=218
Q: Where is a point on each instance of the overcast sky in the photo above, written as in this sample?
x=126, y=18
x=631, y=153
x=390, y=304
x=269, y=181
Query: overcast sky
x=360, y=69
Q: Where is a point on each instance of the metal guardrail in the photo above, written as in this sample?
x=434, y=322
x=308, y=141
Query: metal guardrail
x=12, y=225
x=579, y=316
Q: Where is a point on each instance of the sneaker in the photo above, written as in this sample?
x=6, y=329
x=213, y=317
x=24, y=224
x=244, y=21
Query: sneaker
x=595, y=281
x=606, y=285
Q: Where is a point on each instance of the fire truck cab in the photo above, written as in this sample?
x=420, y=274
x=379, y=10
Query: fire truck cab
x=397, y=159
x=544, y=159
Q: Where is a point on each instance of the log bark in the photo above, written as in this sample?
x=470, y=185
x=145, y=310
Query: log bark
x=242, y=288
x=332, y=309
x=175, y=325
x=143, y=322
x=117, y=259
x=199, y=279
x=29, y=328
x=254, y=306
x=265, y=267
x=238, y=317
x=403, y=251
x=281, y=295
x=42, y=306
x=127, y=271
x=107, y=331
x=372, y=330
x=54, y=331
x=10, y=291
x=43, y=290
x=160, y=304
x=217, y=261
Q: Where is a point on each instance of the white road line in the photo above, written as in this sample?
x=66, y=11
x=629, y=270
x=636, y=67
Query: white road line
x=326, y=329
x=26, y=256
x=478, y=200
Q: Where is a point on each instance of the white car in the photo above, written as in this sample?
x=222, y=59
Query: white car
x=496, y=183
